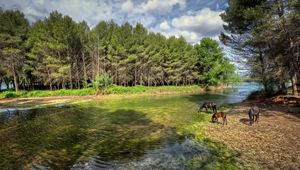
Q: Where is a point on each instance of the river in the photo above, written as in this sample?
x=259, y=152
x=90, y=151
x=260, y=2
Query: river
x=125, y=133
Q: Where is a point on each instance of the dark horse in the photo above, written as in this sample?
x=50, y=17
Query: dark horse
x=217, y=115
x=208, y=105
x=253, y=113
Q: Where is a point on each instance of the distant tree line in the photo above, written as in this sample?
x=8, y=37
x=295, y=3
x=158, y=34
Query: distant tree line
x=57, y=52
x=267, y=33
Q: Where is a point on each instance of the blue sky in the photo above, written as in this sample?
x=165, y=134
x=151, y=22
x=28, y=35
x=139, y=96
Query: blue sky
x=192, y=19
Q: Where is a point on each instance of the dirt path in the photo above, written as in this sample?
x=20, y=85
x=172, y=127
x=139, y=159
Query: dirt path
x=23, y=102
x=273, y=143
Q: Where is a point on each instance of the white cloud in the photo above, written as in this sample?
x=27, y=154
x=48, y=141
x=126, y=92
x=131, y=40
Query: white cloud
x=156, y=15
x=145, y=19
x=206, y=23
x=191, y=37
x=164, y=25
x=91, y=11
x=161, y=7
x=127, y=6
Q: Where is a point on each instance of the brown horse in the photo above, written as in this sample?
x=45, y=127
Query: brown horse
x=218, y=115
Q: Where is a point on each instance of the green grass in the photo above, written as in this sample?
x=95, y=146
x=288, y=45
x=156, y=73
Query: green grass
x=113, y=89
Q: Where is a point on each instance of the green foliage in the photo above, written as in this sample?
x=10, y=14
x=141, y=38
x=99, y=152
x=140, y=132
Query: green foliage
x=115, y=89
x=102, y=82
x=13, y=34
x=61, y=53
x=267, y=33
x=215, y=68
x=52, y=42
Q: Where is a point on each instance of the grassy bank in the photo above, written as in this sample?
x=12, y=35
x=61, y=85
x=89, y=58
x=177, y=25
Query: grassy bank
x=113, y=89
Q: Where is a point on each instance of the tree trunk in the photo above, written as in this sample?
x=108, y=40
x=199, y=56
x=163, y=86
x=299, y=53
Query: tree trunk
x=263, y=70
x=7, y=85
x=77, y=75
x=134, y=74
x=282, y=88
x=50, y=81
x=84, y=70
x=117, y=76
x=98, y=65
x=70, y=77
x=63, y=82
x=15, y=81
x=148, y=79
x=50, y=85
x=294, y=83
x=98, y=57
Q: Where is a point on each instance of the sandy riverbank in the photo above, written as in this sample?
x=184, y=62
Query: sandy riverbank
x=273, y=143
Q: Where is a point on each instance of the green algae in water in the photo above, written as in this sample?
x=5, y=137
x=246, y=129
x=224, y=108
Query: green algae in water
x=122, y=133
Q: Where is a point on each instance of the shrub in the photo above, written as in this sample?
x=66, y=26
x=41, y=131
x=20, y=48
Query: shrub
x=102, y=82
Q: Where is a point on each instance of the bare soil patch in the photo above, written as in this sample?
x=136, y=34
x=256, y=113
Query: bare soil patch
x=33, y=101
x=21, y=102
x=272, y=143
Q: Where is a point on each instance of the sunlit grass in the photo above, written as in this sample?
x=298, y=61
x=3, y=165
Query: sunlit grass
x=116, y=124
x=113, y=89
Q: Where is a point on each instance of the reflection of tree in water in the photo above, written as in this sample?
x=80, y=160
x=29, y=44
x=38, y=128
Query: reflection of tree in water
x=128, y=134
x=60, y=137
x=42, y=133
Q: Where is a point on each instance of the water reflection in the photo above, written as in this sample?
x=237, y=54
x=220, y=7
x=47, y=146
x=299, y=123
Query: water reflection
x=236, y=94
x=58, y=138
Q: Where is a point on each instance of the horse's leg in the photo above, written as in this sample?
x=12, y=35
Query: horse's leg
x=224, y=120
x=250, y=117
x=256, y=118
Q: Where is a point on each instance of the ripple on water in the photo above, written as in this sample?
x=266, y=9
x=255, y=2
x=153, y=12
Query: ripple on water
x=170, y=156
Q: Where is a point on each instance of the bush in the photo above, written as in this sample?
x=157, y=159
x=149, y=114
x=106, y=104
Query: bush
x=102, y=82
x=10, y=95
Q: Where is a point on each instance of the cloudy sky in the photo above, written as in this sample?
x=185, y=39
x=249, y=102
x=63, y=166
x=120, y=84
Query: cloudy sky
x=192, y=19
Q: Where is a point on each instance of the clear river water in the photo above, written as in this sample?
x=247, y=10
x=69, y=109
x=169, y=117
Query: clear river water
x=145, y=132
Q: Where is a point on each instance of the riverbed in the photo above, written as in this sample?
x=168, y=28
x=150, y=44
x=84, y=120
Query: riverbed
x=142, y=132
